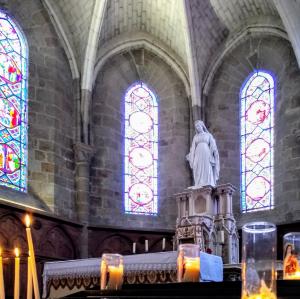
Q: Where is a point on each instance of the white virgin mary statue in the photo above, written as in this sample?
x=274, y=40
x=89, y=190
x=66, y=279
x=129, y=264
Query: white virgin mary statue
x=204, y=157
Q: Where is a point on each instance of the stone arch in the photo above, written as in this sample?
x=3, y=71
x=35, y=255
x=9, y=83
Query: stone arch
x=117, y=46
x=107, y=169
x=58, y=244
x=275, y=55
x=13, y=232
x=64, y=34
x=115, y=243
x=257, y=30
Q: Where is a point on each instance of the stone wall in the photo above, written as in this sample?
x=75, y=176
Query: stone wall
x=275, y=55
x=106, y=206
x=51, y=110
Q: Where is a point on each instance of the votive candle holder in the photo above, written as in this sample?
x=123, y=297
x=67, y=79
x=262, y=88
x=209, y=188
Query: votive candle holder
x=188, y=263
x=259, y=244
x=291, y=251
x=112, y=271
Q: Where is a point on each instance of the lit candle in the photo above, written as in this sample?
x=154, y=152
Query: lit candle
x=163, y=244
x=264, y=293
x=29, y=277
x=191, y=269
x=115, y=279
x=293, y=276
x=112, y=270
x=2, y=292
x=33, y=265
x=17, y=275
x=146, y=246
x=133, y=247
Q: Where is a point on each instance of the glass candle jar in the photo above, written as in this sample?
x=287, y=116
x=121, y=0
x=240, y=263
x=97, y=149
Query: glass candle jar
x=259, y=261
x=188, y=263
x=291, y=251
x=112, y=271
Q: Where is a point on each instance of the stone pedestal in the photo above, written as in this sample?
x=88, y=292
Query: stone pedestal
x=205, y=217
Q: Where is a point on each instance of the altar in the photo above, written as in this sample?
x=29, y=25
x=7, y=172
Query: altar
x=68, y=277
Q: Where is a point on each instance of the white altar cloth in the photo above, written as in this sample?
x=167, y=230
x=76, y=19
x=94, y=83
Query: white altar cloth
x=161, y=261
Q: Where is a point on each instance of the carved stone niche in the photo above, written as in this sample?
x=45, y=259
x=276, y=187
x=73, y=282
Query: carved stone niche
x=196, y=201
x=203, y=202
x=205, y=218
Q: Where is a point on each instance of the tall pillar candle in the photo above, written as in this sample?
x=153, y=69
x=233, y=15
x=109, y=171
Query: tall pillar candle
x=17, y=275
x=146, y=246
x=2, y=290
x=134, y=247
x=33, y=265
x=29, y=277
x=163, y=244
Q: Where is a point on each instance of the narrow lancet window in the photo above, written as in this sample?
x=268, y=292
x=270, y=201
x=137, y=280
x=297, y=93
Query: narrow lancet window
x=257, y=99
x=141, y=150
x=13, y=105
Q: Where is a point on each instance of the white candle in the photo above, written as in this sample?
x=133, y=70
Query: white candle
x=103, y=271
x=163, y=244
x=2, y=292
x=133, y=247
x=33, y=265
x=146, y=245
x=29, y=277
x=17, y=275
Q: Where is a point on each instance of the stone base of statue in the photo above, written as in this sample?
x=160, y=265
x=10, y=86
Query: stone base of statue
x=205, y=218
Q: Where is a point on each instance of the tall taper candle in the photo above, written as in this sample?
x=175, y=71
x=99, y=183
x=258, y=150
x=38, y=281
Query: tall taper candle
x=163, y=244
x=2, y=291
x=133, y=247
x=29, y=277
x=17, y=275
x=33, y=265
x=146, y=246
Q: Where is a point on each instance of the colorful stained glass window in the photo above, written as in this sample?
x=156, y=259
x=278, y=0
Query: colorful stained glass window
x=141, y=151
x=257, y=122
x=13, y=105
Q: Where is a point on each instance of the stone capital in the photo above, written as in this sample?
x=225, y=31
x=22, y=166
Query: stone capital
x=225, y=189
x=199, y=190
x=83, y=152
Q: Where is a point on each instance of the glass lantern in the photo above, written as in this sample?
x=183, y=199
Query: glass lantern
x=112, y=271
x=259, y=261
x=188, y=263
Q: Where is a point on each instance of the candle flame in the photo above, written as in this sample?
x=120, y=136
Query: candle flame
x=27, y=220
x=295, y=275
x=17, y=253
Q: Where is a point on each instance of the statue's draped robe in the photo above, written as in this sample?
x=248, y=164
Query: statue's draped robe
x=204, y=160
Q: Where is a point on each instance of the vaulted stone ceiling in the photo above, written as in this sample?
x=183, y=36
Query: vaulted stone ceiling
x=163, y=19
x=233, y=13
x=75, y=15
x=194, y=32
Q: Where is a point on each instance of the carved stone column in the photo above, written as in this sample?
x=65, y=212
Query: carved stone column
x=225, y=193
x=226, y=222
x=83, y=155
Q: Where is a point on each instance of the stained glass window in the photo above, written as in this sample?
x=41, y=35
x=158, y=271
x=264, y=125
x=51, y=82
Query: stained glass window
x=13, y=105
x=141, y=150
x=257, y=122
